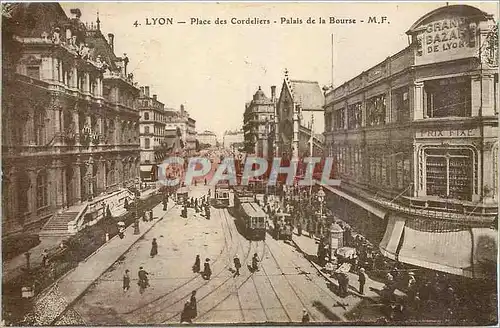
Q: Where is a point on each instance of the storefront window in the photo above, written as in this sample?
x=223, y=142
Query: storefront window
x=449, y=174
x=400, y=105
x=448, y=97
x=375, y=110
x=354, y=116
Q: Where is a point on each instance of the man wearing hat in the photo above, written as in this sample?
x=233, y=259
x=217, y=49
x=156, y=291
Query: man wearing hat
x=305, y=316
x=362, y=280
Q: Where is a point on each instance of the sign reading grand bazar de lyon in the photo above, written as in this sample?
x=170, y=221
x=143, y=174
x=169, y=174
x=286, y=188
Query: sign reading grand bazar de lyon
x=446, y=38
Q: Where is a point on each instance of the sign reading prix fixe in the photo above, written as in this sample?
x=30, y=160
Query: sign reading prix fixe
x=446, y=133
x=447, y=34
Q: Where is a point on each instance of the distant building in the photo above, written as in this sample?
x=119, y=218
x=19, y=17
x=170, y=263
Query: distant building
x=180, y=131
x=207, y=137
x=300, y=113
x=234, y=139
x=258, y=122
x=152, y=134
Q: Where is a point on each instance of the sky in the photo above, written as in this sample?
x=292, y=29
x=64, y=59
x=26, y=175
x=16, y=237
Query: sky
x=215, y=69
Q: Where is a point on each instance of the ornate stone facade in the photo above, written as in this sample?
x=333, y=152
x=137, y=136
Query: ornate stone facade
x=70, y=126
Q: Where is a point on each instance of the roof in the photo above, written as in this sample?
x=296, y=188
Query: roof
x=102, y=48
x=253, y=210
x=454, y=10
x=32, y=18
x=307, y=94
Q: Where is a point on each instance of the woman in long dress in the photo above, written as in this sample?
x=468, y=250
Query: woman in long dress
x=197, y=264
x=154, y=248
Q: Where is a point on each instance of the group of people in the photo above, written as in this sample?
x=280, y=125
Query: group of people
x=143, y=280
x=199, y=204
x=207, y=271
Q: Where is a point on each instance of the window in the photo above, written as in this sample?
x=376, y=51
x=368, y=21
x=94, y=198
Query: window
x=146, y=116
x=146, y=129
x=33, y=72
x=400, y=105
x=449, y=174
x=41, y=190
x=448, y=97
x=23, y=187
x=147, y=143
x=39, y=128
x=328, y=122
x=339, y=118
x=375, y=110
x=354, y=116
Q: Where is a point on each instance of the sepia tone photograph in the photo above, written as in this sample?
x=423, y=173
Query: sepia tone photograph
x=249, y=163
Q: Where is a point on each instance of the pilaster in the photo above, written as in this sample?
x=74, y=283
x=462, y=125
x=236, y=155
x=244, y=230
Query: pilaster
x=417, y=100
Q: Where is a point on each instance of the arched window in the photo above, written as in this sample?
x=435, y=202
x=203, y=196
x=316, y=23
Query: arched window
x=41, y=190
x=23, y=186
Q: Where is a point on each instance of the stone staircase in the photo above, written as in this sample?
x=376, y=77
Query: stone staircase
x=58, y=224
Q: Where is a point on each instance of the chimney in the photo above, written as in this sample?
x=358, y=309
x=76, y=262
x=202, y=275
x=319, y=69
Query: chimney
x=273, y=93
x=155, y=97
x=146, y=91
x=111, y=40
x=182, y=108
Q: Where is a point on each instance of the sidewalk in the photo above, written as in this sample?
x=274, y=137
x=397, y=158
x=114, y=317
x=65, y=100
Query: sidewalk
x=309, y=247
x=14, y=267
x=53, y=302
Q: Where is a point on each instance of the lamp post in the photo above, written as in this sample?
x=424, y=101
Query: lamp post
x=321, y=197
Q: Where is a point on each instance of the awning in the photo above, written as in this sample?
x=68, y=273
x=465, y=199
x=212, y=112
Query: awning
x=449, y=251
x=390, y=242
x=372, y=209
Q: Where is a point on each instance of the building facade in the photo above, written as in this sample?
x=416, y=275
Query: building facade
x=208, y=138
x=180, y=131
x=152, y=134
x=70, y=126
x=233, y=139
x=299, y=114
x=258, y=122
x=415, y=139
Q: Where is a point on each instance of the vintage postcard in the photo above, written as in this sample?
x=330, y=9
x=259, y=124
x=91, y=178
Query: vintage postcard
x=249, y=163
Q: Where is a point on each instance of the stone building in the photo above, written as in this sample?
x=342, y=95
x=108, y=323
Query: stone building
x=415, y=142
x=207, y=137
x=152, y=134
x=70, y=126
x=234, y=139
x=299, y=113
x=258, y=124
x=180, y=131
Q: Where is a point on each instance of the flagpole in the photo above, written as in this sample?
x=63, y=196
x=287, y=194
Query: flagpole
x=332, y=61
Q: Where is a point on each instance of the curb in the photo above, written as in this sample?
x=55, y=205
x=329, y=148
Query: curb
x=71, y=303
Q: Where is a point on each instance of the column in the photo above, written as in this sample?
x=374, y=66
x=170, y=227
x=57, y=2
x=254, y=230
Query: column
x=417, y=100
x=60, y=70
x=32, y=203
x=363, y=111
x=74, y=78
x=55, y=74
x=101, y=175
x=86, y=83
x=388, y=109
x=77, y=180
x=475, y=89
x=76, y=122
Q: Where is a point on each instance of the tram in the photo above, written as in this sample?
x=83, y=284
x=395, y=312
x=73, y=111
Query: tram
x=221, y=199
x=250, y=216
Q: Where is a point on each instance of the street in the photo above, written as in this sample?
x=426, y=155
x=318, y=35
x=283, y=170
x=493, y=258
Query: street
x=285, y=284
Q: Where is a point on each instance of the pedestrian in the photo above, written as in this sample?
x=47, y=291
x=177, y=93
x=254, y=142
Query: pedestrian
x=154, y=248
x=143, y=277
x=186, y=313
x=362, y=280
x=305, y=316
x=207, y=272
x=237, y=265
x=126, y=280
x=45, y=256
x=255, y=261
x=197, y=264
x=192, y=302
